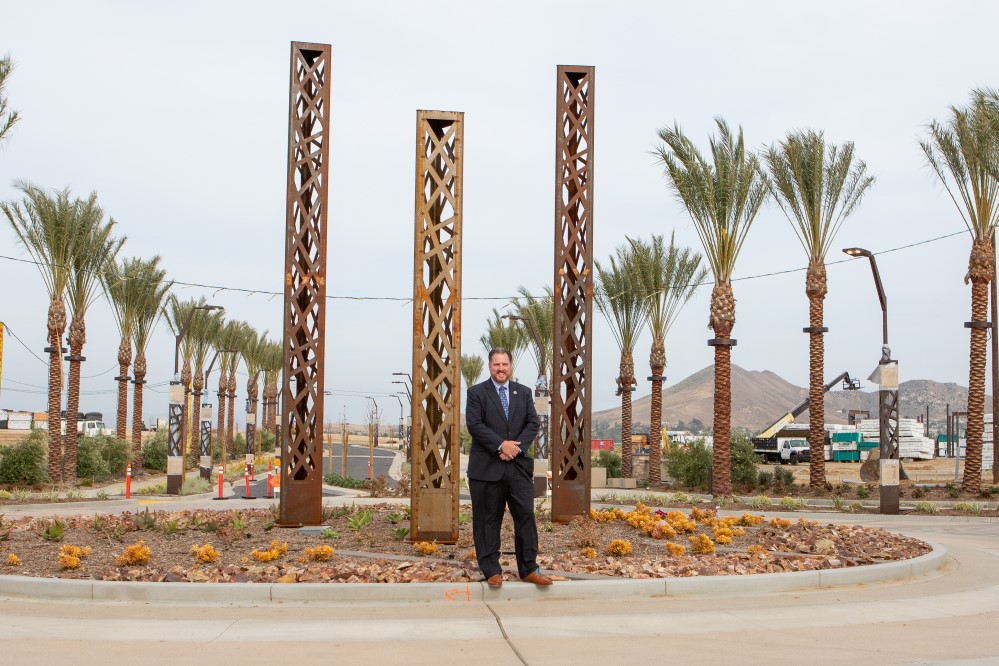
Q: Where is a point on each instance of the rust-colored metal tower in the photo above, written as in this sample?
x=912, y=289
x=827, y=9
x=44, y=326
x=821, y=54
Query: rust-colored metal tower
x=305, y=286
x=573, y=325
x=437, y=325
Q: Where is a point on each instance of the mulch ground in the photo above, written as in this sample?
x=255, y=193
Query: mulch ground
x=371, y=544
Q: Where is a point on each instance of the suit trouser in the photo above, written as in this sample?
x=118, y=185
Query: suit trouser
x=516, y=490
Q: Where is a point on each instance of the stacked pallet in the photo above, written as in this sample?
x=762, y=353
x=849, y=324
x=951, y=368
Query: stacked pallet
x=912, y=443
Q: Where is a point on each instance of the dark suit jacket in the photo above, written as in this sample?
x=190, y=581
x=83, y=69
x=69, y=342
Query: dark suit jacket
x=489, y=428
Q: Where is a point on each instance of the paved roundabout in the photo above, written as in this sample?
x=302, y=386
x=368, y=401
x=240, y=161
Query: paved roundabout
x=938, y=608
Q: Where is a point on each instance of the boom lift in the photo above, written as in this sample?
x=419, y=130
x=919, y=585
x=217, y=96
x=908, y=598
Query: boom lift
x=765, y=443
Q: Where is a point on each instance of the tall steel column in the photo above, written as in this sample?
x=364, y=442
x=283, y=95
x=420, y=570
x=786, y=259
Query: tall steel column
x=437, y=325
x=573, y=325
x=205, y=464
x=305, y=286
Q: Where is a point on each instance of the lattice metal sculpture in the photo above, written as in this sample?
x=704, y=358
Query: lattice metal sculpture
x=437, y=326
x=573, y=325
x=305, y=286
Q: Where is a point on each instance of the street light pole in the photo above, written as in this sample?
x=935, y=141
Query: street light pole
x=540, y=387
x=177, y=429
x=409, y=393
x=887, y=377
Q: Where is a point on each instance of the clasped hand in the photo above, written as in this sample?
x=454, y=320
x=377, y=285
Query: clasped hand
x=509, y=450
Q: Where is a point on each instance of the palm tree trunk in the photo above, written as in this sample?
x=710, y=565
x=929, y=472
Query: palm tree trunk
x=657, y=363
x=197, y=384
x=185, y=412
x=232, y=411
x=981, y=269
x=815, y=289
x=56, y=327
x=625, y=382
x=722, y=322
x=124, y=360
x=140, y=379
x=251, y=433
x=77, y=338
x=220, y=433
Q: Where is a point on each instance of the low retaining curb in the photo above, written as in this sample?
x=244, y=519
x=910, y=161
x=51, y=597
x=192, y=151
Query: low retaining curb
x=57, y=589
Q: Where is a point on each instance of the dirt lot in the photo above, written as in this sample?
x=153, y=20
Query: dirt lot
x=936, y=471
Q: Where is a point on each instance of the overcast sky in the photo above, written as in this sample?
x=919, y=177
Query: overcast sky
x=176, y=114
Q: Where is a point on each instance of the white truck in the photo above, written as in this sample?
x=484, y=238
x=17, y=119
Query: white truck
x=794, y=451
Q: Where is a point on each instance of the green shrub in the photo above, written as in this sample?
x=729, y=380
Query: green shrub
x=764, y=479
x=863, y=492
x=154, y=451
x=690, y=465
x=266, y=441
x=25, y=462
x=238, y=447
x=101, y=457
x=334, y=479
x=609, y=460
x=783, y=477
x=744, y=461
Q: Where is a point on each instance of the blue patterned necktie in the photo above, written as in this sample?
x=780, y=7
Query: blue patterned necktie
x=506, y=403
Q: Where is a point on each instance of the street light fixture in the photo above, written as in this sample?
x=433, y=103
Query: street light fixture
x=886, y=376
x=175, y=434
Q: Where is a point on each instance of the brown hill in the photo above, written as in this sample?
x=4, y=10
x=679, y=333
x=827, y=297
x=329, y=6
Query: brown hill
x=761, y=397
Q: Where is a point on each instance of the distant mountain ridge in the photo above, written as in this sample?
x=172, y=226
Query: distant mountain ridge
x=761, y=397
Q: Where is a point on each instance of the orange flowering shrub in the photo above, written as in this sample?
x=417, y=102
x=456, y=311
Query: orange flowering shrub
x=607, y=515
x=13, y=560
x=204, y=554
x=702, y=544
x=756, y=548
x=722, y=534
x=589, y=553
x=619, y=548
x=662, y=530
x=680, y=523
x=135, y=555
x=675, y=549
x=70, y=557
x=425, y=547
x=321, y=553
x=779, y=522
x=470, y=555
x=702, y=516
x=750, y=520
x=275, y=551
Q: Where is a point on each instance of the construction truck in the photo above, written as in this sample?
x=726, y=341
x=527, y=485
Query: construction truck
x=765, y=442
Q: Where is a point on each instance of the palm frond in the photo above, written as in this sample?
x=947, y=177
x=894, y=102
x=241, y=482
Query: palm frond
x=963, y=152
x=722, y=197
x=817, y=186
x=620, y=298
x=539, y=312
x=667, y=277
x=471, y=368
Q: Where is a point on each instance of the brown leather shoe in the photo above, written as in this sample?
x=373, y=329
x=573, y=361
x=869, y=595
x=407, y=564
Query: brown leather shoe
x=495, y=580
x=536, y=578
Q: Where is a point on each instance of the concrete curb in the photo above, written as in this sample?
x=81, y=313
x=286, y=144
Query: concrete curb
x=54, y=589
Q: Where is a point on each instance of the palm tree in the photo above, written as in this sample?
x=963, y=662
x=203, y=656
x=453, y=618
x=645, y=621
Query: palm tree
x=8, y=116
x=722, y=198
x=667, y=277
x=273, y=360
x=95, y=248
x=45, y=226
x=148, y=310
x=242, y=332
x=471, y=369
x=537, y=316
x=202, y=332
x=503, y=333
x=963, y=153
x=228, y=339
x=124, y=291
x=178, y=314
x=618, y=297
x=817, y=186
x=254, y=350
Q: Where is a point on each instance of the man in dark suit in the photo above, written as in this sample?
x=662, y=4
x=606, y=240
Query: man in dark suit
x=501, y=418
